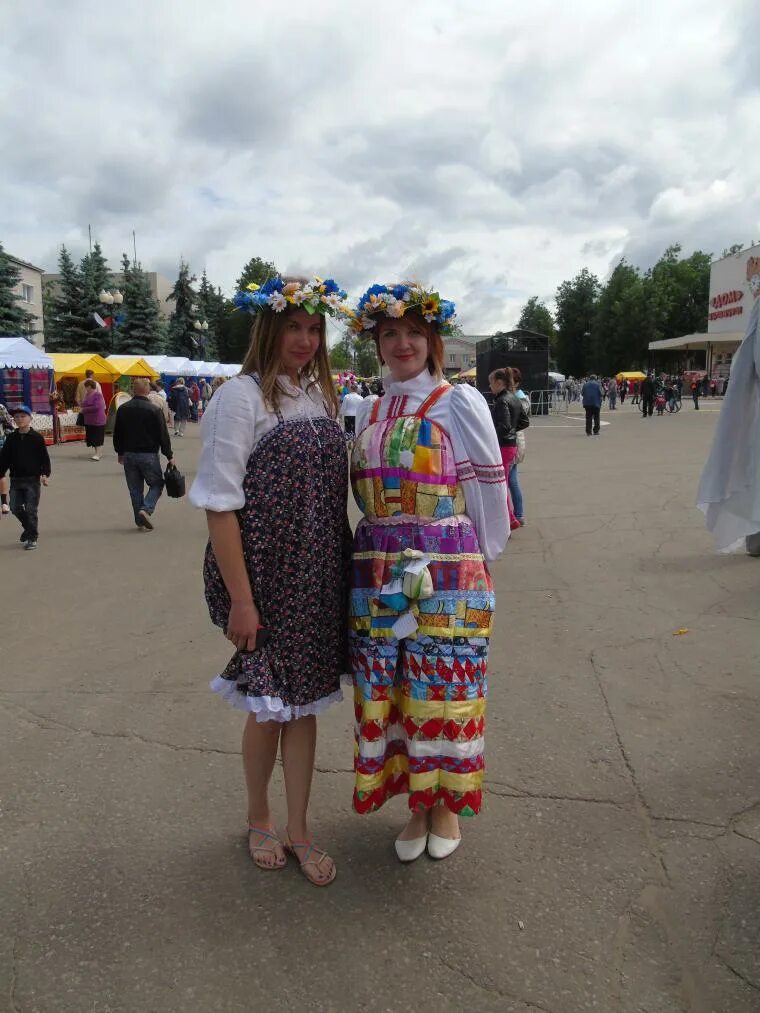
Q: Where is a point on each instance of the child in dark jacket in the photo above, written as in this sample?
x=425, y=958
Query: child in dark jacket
x=25, y=455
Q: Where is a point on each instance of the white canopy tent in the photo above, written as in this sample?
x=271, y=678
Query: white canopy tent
x=18, y=353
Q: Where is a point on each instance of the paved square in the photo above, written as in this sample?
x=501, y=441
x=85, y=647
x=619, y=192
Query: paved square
x=616, y=866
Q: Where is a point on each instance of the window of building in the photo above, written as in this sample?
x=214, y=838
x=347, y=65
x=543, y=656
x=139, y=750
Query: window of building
x=27, y=293
x=452, y=359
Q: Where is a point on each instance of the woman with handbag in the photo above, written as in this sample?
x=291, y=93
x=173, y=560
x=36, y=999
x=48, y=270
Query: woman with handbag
x=508, y=420
x=428, y=477
x=273, y=481
x=93, y=409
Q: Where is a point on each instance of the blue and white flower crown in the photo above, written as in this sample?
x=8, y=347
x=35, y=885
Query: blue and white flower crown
x=398, y=300
x=315, y=296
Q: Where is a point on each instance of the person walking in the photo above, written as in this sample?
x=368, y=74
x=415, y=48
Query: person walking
x=82, y=386
x=591, y=397
x=349, y=407
x=157, y=397
x=93, y=407
x=179, y=403
x=612, y=393
x=635, y=396
x=695, y=387
x=427, y=475
x=26, y=457
x=647, y=396
x=195, y=400
x=139, y=433
x=507, y=413
x=623, y=390
x=273, y=481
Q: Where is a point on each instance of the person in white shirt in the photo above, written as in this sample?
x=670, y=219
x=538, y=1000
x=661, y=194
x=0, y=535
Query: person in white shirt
x=82, y=390
x=349, y=408
x=273, y=481
x=428, y=476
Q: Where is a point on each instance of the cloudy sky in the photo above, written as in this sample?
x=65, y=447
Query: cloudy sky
x=491, y=148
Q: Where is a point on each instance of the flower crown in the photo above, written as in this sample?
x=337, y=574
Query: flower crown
x=315, y=296
x=397, y=300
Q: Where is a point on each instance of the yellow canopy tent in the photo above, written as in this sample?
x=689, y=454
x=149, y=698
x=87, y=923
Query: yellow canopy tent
x=636, y=374
x=75, y=364
x=132, y=365
x=468, y=374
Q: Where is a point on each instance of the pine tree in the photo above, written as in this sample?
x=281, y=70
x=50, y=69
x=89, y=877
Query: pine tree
x=14, y=320
x=67, y=326
x=182, y=335
x=208, y=310
x=139, y=332
x=95, y=277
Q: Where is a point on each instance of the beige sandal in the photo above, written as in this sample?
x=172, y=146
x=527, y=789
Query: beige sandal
x=268, y=834
x=307, y=860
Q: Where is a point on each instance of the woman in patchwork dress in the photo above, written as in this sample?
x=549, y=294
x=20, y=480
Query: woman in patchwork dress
x=273, y=481
x=427, y=474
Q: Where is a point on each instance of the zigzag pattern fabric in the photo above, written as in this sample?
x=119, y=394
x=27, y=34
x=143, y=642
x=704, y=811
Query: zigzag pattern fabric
x=420, y=701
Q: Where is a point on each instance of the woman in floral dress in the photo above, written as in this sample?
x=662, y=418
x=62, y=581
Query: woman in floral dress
x=273, y=481
x=427, y=474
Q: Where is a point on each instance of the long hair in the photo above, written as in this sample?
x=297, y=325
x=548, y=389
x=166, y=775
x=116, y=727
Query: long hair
x=263, y=358
x=435, y=357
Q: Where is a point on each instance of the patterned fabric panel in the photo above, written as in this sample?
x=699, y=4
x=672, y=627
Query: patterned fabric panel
x=406, y=465
x=420, y=722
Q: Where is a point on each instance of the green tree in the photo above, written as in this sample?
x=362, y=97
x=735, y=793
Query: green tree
x=679, y=290
x=365, y=357
x=256, y=270
x=623, y=323
x=576, y=309
x=139, y=332
x=340, y=357
x=181, y=332
x=14, y=319
x=209, y=310
x=535, y=316
x=67, y=326
x=95, y=277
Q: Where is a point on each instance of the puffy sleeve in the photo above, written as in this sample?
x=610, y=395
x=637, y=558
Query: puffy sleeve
x=228, y=434
x=363, y=412
x=479, y=468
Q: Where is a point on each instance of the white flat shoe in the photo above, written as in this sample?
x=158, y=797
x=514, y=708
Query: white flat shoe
x=442, y=847
x=408, y=851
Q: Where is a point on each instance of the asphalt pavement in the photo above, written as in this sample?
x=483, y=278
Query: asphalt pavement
x=616, y=865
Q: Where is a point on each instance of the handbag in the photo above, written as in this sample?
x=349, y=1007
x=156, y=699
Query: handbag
x=520, y=448
x=524, y=421
x=174, y=481
x=80, y=419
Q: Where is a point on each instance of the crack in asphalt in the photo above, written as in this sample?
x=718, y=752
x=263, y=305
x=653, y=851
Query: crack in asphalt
x=13, y=982
x=742, y=977
x=516, y=792
x=493, y=989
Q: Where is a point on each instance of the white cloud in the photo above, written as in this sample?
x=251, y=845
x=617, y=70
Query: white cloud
x=493, y=148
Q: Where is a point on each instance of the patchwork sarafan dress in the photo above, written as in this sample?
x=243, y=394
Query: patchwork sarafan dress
x=285, y=474
x=427, y=474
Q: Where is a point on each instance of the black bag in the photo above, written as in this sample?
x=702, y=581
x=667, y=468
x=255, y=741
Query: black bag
x=174, y=481
x=80, y=419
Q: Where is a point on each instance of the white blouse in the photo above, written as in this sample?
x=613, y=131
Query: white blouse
x=232, y=426
x=465, y=416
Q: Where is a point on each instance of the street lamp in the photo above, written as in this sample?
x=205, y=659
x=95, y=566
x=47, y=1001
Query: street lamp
x=111, y=300
x=202, y=327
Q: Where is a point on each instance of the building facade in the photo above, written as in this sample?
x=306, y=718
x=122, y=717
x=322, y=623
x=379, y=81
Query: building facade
x=29, y=291
x=459, y=353
x=734, y=285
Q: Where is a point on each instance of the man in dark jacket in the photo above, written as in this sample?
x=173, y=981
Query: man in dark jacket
x=647, y=396
x=139, y=433
x=592, y=397
x=25, y=455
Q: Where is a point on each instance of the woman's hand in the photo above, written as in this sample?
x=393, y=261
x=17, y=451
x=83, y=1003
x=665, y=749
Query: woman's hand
x=243, y=624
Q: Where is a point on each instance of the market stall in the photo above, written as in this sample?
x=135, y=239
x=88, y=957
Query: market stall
x=26, y=377
x=129, y=367
x=632, y=375
x=70, y=369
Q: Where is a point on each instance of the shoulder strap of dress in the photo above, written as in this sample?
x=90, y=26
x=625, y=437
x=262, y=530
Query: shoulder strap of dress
x=431, y=399
x=374, y=414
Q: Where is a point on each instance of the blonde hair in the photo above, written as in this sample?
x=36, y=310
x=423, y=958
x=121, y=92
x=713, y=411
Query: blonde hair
x=263, y=358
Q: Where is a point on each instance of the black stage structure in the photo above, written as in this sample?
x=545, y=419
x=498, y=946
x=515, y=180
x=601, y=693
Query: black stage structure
x=528, y=350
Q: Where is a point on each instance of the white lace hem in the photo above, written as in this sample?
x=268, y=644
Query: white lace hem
x=272, y=708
